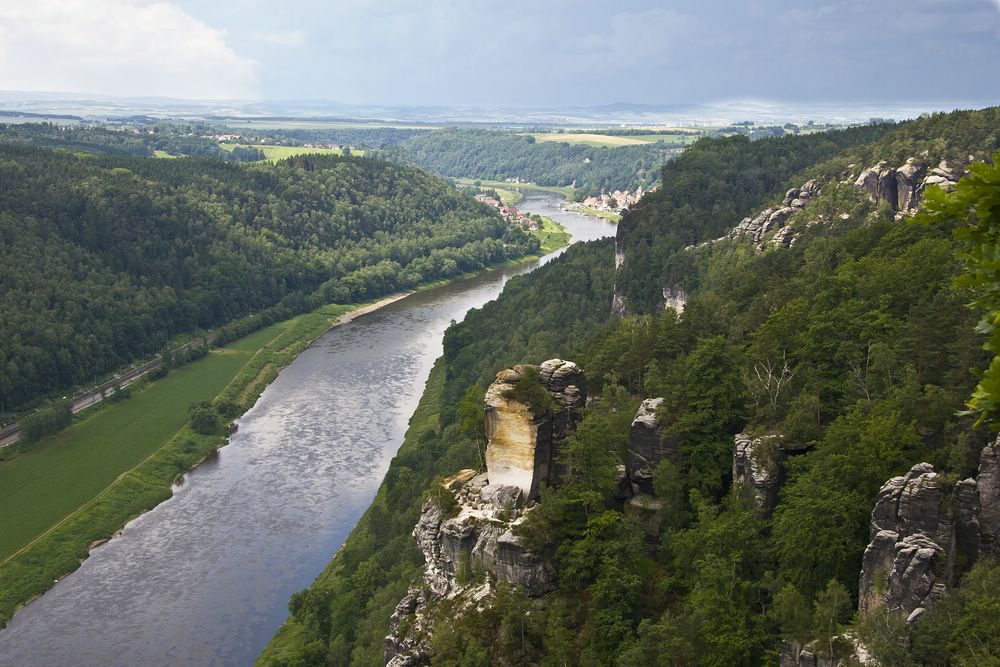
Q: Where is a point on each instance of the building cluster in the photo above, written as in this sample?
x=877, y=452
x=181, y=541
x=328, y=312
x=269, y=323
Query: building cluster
x=510, y=214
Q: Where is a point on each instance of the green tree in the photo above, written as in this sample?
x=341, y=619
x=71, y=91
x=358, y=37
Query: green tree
x=975, y=206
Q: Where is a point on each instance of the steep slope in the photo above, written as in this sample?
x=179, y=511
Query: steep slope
x=104, y=258
x=731, y=510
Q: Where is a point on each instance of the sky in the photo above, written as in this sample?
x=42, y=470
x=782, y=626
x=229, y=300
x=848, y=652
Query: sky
x=506, y=53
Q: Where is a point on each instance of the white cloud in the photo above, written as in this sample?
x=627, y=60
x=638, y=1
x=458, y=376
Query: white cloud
x=118, y=47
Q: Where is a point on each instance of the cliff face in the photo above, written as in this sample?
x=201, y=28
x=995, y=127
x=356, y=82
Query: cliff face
x=473, y=542
x=924, y=536
x=522, y=444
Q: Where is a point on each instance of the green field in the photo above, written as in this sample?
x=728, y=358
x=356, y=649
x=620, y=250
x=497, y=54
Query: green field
x=39, y=488
x=552, y=235
x=566, y=191
x=80, y=486
x=607, y=215
x=275, y=153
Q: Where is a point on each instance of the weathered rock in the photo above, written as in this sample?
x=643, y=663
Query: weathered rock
x=403, y=651
x=502, y=497
x=648, y=512
x=942, y=176
x=674, y=296
x=647, y=446
x=522, y=443
x=923, y=538
x=988, y=486
x=879, y=182
x=908, y=184
x=618, y=307
x=757, y=469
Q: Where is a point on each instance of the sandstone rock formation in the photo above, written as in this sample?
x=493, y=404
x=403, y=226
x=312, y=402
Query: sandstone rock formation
x=674, y=296
x=923, y=536
x=474, y=542
x=772, y=219
x=647, y=446
x=477, y=539
x=902, y=188
x=521, y=442
x=757, y=468
x=988, y=486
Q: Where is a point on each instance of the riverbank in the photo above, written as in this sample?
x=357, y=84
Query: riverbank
x=78, y=488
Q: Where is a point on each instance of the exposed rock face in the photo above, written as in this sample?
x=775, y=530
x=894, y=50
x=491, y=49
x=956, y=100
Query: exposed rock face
x=771, y=219
x=795, y=655
x=942, y=176
x=903, y=188
x=478, y=539
x=522, y=443
x=908, y=185
x=757, y=468
x=674, y=296
x=922, y=538
x=988, y=485
x=647, y=446
x=879, y=182
x=618, y=307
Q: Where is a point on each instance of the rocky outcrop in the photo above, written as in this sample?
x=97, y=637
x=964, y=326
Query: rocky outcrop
x=618, y=307
x=879, y=183
x=923, y=537
x=674, y=296
x=988, y=487
x=902, y=188
x=755, y=228
x=523, y=440
x=465, y=550
x=757, y=469
x=795, y=655
x=647, y=446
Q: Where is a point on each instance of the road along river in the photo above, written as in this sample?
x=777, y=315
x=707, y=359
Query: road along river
x=205, y=577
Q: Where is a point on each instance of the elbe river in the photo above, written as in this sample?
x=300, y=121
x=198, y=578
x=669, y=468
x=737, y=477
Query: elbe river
x=205, y=577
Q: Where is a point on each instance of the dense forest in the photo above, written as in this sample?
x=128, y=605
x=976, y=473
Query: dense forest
x=140, y=140
x=105, y=257
x=496, y=155
x=876, y=345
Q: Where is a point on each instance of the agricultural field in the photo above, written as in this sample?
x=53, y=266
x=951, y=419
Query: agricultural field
x=275, y=153
x=612, y=140
x=566, y=192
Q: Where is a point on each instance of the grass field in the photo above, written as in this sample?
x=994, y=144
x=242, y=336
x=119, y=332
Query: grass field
x=552, y=235
x=80, y=486
x=275, y=153
x=566, y=192
x=607, y=215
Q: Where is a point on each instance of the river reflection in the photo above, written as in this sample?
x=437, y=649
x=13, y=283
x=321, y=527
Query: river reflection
x=205, y=577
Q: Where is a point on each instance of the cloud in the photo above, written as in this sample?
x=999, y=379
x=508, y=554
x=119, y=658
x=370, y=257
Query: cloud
x=118, y=47
x=288, y=38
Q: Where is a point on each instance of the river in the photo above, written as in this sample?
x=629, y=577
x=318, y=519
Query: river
x=205, y=577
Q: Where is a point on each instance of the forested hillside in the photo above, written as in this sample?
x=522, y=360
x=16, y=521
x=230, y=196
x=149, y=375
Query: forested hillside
x=141, y=140
x=105, y=257
x=496, y=155
x=873, y=344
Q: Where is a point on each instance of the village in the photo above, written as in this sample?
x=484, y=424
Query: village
x=511, y=214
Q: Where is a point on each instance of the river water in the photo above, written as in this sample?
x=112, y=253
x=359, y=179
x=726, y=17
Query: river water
x=205, y=577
